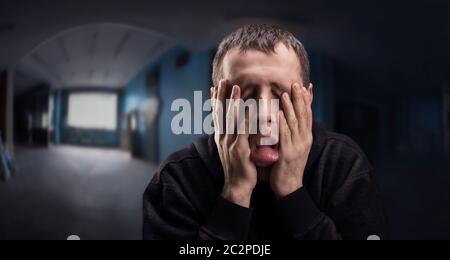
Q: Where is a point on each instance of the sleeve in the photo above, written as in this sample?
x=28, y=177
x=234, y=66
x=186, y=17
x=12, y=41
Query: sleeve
x=169, y=215
x=354, y=212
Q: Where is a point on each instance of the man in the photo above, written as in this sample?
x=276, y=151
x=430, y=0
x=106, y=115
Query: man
x=312, y=184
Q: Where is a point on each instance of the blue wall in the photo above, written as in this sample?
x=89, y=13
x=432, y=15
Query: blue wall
x=146, y=135
x=174, y=83
x=410, y=120
x=425, y=122
x=323, y=78
x=181, y=83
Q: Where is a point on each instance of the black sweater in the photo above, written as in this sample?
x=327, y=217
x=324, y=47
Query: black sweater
x=339, y=200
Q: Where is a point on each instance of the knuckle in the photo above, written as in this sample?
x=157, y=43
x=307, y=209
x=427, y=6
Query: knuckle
x=303, y=113
x=239, y=148
x=293, y=121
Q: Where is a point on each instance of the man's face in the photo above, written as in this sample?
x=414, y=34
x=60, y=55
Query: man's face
x=263, y=76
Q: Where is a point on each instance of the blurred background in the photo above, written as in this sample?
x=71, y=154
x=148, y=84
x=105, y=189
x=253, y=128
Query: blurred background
x=86, y=89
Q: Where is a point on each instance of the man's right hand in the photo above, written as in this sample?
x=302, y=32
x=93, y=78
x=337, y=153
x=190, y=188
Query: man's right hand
x=240, y=175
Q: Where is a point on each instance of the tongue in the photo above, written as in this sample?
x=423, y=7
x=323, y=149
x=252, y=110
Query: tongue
x=265, y=155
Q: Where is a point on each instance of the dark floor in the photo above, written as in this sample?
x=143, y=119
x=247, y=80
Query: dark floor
x=62, y=191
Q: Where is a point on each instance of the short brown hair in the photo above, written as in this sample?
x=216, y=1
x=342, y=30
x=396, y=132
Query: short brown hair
x=264, y=38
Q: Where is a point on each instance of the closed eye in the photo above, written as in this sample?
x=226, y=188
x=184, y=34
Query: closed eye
x=278, y=89
x=249, y=91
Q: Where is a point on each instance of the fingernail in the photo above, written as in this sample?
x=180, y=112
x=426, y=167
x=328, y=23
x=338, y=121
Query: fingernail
x=237, y=92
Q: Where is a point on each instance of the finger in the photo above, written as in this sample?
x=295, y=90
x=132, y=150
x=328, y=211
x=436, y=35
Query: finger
x=289, y=113
x=220, y=105
x=298, y=101
x=231, y=117
x=243, y=121
x=215, y=93
x=285, y=135
x=311, y=93
x=309, y=107
x=216, y=118
x=230, y=108
x=213, y=106
x=306, y=121
x=213, y=98
x=222, y=93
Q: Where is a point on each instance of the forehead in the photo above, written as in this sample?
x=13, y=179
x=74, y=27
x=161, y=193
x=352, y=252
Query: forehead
x=280, y=66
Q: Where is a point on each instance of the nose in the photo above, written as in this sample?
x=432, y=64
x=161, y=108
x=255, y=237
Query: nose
x=265, y=110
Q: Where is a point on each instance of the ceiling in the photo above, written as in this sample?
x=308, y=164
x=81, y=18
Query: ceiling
x=103, y=55
x=394, y=43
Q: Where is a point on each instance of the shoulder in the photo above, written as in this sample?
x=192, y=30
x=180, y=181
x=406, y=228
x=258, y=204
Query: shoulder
x=185, y=174
x=342, y=141
x=345, y=153
x=340, y=162
x=194, y=166
x=176, y=163
x=183, y=156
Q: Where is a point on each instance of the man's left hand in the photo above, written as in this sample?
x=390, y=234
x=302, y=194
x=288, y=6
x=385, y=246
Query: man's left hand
x=296, y=138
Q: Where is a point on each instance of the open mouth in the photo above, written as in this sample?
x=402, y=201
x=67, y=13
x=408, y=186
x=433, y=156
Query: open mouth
x=265, y=155
x=275, y=146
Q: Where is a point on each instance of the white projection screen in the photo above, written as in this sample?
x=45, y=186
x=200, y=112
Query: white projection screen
x=93, y=111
